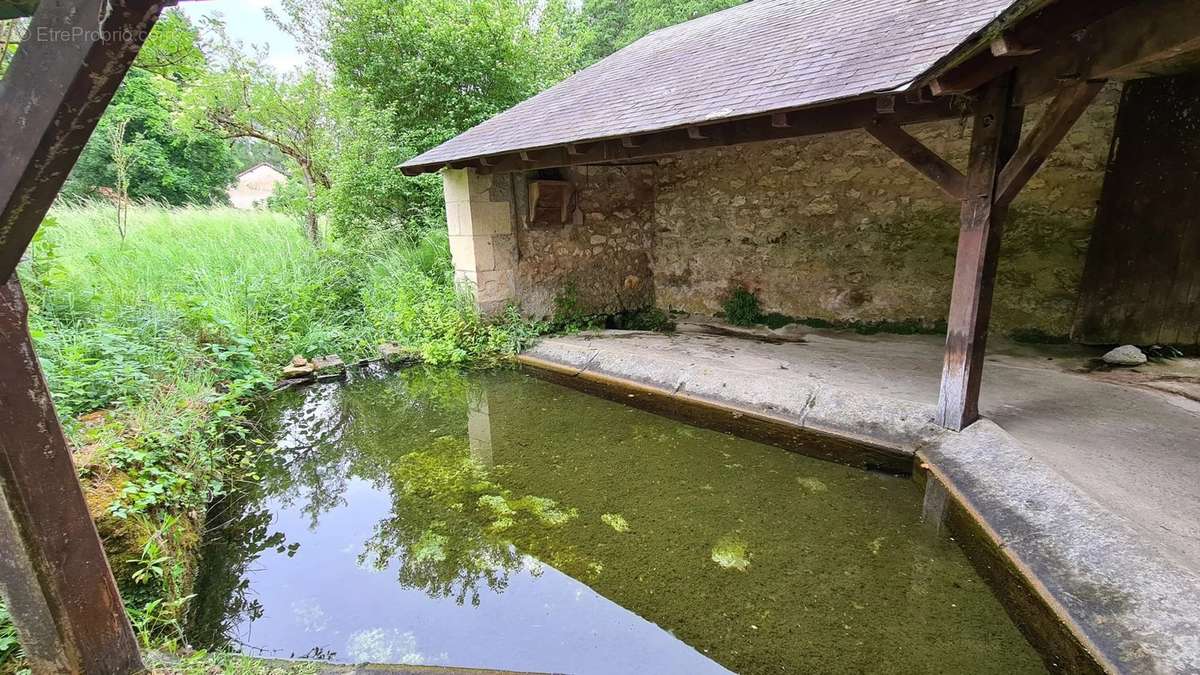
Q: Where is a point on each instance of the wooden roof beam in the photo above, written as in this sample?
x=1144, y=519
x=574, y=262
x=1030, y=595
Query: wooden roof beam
x=1007, y=45
x=1030, y=36
x=972, y=74
x=844, y=116
x=1129, y=43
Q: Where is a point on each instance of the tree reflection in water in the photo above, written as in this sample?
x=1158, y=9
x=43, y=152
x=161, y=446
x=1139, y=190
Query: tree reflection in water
x=506, y=514
x=453, y=530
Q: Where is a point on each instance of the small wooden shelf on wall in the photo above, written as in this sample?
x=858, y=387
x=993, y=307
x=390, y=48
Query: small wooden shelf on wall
x=549, y=202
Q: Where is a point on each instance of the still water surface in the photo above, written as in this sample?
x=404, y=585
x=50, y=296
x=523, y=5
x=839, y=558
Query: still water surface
x=494, y=520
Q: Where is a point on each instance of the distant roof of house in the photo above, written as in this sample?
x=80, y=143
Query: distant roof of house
x=261, y=165
x=759, y=57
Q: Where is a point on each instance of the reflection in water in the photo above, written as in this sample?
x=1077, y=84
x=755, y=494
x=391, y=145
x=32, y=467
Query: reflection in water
x=479, y=427
x=493, y=520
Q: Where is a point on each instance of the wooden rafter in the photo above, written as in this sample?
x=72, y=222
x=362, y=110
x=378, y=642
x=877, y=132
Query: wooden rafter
x=972, y=74
x=920, y=157
x=1144, y=38
x=1010, y=50
x=844, y=116
x=1008, y=45
x=1054, y=124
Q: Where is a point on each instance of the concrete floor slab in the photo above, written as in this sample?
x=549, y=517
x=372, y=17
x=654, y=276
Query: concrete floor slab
x=1092, y=479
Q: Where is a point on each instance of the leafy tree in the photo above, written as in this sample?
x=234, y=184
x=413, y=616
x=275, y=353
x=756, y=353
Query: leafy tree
x=175, y=163
x=446, y=65
x=408, y=75
x=247, y=99
x=370, y=199
x=601, y=27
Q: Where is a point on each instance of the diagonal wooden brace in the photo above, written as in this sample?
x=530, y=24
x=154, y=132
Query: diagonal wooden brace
x=1053, y=126
x=53, y=571
x=58, y=85
x=920, y=157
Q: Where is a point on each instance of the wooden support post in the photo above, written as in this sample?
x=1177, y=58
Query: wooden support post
x=994, y=139
x=53, y=572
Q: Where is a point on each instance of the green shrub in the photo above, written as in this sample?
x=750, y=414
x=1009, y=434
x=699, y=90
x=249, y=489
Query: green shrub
x=10, y=647
x=742, y=308
x=569, y=316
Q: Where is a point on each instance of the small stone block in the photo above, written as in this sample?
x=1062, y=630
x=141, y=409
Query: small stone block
x=298, y=368
x=397, y=356
x=329, y=368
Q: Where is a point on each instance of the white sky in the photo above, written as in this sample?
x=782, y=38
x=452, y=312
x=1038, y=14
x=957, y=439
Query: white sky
x=246, y=22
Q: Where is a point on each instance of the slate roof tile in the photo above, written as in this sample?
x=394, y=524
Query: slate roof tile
x=759, y=57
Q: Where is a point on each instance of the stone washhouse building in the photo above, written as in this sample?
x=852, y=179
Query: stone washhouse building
x=834, y=226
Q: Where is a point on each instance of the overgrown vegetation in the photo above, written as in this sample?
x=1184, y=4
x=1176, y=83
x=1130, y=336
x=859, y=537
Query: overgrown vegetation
x=167, y=159
x=570, y=317
x=742, y=308
x=157, y=344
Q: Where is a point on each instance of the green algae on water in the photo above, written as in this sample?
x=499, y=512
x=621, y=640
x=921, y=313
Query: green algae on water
x=615, y=521
x=731, y=553
x=493, y=489
x=812, y=485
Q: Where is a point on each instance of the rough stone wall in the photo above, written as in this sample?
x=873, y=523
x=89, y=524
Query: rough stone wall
x=838, y=228
x=603, y=252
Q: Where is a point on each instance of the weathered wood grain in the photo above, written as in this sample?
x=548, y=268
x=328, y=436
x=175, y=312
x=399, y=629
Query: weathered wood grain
x=1141, y=281
x=994, y=139
x=52, y=569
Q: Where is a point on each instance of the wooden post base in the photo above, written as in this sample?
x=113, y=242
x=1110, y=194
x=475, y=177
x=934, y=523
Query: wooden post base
x=53, y=573
x=994, y=140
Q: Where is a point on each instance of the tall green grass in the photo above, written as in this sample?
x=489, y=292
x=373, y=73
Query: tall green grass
x=251, y=271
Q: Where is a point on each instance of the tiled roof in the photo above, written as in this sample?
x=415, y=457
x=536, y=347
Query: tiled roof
x=759, y=57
